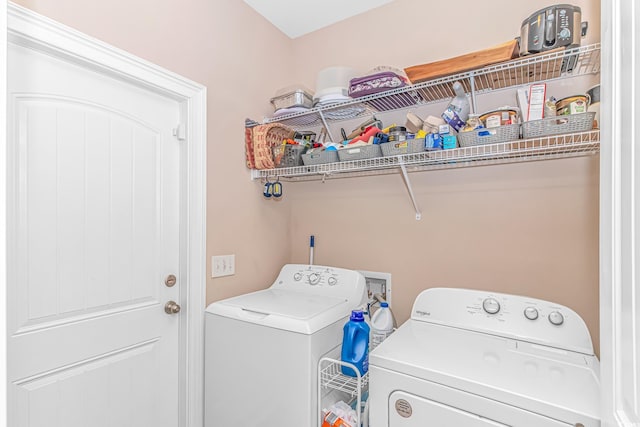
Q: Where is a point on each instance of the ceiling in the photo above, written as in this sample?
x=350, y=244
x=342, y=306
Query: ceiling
x=299, y=17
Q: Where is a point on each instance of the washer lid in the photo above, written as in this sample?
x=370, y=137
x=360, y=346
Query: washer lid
x=288, y=310
x=558, y=383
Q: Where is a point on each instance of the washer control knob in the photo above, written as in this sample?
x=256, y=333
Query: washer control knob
x=332, y=281
x=314, y=278
x=491, y=305
x=556, y=318
x=297, y=276
x=531, y=313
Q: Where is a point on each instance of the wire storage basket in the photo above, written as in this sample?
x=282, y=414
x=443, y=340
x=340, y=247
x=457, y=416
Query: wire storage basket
x=495, y=135
x=265, y=138
x=288, y=155
x=320, y=157
x=409, y=146
x=571, y=123
x=360, y=153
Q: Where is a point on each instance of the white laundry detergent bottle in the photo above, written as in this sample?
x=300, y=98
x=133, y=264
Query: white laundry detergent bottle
x=381, y=324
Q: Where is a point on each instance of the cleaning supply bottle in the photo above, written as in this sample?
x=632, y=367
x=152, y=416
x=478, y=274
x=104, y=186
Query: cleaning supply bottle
x=355, y=344
x=381, y=324
x=457, y=112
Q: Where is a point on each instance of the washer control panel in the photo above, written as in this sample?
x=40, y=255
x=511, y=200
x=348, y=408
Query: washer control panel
x=314, y=276
x=511, y=316
x=322, y=280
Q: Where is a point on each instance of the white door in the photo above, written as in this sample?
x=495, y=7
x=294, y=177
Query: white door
x=94, y=183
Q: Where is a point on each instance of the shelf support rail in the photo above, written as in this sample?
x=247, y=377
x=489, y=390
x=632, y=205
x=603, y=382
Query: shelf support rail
x=472, y=83
x=326, y=126
x=407, y=182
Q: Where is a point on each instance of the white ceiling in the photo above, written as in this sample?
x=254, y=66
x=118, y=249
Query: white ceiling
x=298, y=17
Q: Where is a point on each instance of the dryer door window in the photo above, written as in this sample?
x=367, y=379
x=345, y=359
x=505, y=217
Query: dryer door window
x=408, y=410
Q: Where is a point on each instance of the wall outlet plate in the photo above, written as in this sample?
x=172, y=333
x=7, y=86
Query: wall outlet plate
x=378, y=283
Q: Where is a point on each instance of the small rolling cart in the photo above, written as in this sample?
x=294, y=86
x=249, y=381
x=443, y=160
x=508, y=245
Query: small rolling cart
x=330, y=377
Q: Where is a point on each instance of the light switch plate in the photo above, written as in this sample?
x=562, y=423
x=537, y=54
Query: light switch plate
x=223, y=265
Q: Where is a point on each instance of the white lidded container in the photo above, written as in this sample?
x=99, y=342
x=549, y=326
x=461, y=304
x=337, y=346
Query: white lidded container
x=381, y=324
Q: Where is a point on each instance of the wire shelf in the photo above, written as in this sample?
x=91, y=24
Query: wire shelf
x=526, y=70
x=524, y=150
x=332, y=377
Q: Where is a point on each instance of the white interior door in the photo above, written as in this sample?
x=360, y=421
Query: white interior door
x=94, y=196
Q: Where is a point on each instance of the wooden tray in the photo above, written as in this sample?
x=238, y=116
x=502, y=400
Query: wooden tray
x=459, y=64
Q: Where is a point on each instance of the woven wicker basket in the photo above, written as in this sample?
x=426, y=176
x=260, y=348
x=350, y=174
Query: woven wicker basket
x=248, y=146
x=265, y=137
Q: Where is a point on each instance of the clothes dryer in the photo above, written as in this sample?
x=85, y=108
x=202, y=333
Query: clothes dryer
x=477, y=359
x=262, y=349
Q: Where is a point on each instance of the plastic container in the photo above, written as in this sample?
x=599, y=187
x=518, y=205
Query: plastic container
x=397, y=134
x=355, y=344
x=381, y=325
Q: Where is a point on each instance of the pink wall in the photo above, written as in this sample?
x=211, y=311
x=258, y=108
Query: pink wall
x=529, y=228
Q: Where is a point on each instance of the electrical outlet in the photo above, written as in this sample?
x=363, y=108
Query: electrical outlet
x=223, y=265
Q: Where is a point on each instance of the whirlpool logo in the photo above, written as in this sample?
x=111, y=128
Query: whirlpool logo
x=423, y=313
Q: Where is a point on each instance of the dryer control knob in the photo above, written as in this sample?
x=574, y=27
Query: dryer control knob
x=314, y=278
x=297, y=277
x=556, y=318
x=332, y=281
x=491, y=305
x=531, y=313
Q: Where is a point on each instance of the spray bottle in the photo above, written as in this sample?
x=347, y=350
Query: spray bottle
x=457, y=111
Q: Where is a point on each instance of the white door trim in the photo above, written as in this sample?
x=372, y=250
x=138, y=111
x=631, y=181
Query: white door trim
x=37, y=32
x=3, y=210
x=619, y=333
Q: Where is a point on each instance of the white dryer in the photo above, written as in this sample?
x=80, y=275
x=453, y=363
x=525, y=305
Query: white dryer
x=262, y=349
x=477, y=359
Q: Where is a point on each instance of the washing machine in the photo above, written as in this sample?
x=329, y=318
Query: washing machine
x=477, y=359
x=262, y=349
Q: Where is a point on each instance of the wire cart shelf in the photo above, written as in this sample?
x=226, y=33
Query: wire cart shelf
x=330, y=376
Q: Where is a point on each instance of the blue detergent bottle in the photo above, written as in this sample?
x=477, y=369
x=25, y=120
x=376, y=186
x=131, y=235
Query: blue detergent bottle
x=355, y=344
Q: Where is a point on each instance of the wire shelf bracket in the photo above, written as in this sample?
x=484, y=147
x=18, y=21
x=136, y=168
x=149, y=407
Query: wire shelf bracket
x=407, y=182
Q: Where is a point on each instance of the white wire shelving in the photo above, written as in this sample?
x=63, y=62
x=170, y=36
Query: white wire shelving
x=521, y=150
x=549, y=66
x=545, y=67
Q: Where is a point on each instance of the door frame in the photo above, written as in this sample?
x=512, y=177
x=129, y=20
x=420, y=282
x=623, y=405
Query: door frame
x=27, y=28
x=618, y=215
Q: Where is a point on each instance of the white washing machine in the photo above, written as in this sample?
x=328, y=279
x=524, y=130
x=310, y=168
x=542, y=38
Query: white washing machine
x=262, y=349
x=477, y=359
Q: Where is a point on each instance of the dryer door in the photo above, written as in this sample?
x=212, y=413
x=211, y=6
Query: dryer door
x=408, y=410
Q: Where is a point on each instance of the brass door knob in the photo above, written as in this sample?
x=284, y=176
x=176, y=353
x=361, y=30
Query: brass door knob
x=172, y=307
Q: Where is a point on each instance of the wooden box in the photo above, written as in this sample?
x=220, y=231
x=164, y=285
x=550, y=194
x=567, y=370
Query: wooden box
x=459, y=64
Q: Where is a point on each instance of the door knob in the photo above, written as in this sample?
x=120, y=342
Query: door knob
x=172, y=307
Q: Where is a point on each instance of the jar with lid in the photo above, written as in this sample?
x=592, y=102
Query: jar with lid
x=397, y=133
x=473, y=123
